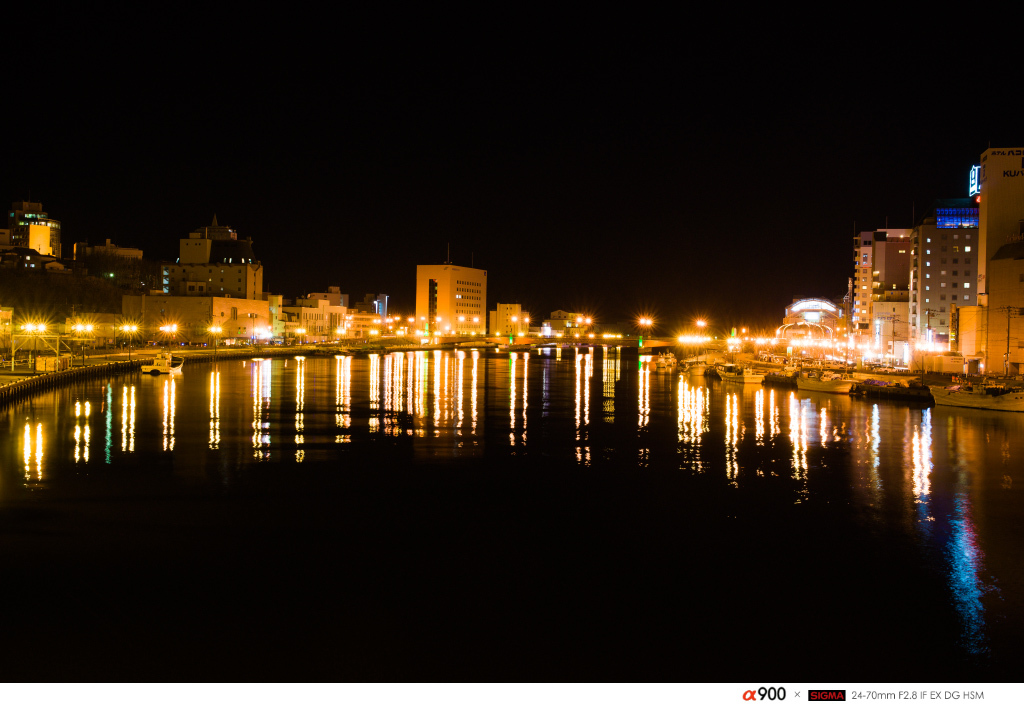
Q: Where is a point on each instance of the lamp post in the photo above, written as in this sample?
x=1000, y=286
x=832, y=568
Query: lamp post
x=36, y=330
x=645, y=323
x=79, y=328
x=129, y=332
x=215, y=331
x=169, y=330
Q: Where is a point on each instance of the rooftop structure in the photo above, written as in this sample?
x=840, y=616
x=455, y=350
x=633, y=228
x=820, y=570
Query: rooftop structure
x=31, y=227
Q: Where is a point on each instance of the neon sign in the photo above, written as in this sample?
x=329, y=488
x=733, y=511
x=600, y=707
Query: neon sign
x=974, y=183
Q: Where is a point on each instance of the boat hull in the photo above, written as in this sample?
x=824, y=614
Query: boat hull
x=835, y=386
x=741, y=378
x=1011, y=400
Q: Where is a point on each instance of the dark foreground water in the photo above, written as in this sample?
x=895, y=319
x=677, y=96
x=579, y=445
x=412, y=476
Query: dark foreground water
x=468, y=516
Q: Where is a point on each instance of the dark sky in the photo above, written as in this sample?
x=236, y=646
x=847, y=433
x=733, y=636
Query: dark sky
x=614, y=175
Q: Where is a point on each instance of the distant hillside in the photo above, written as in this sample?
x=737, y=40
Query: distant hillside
x=53, y=297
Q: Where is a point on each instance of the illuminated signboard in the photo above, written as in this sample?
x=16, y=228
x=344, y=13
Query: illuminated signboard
x=974, y=184
x=813, y=305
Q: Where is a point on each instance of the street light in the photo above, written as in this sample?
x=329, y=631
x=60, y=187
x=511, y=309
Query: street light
x=215, y=330
x=169, y=330
x=129, y=332
x=36, y=330
x=78, y=327
x=645, y=323
x=302, y=332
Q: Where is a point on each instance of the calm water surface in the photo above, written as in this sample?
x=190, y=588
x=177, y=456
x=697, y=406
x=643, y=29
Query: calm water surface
x=464, y=514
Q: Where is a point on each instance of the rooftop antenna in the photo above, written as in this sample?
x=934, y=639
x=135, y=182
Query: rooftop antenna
x=449, y=259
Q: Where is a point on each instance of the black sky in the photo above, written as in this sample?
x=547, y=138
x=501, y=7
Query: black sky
x=611, y=174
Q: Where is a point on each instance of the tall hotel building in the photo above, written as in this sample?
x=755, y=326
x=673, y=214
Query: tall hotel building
x=879, y=312
x=945, y=268
x=451, y=299
x=994, y=332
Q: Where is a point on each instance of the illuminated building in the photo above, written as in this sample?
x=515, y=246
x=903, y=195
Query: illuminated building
x=318, y=318
x=508, y=319
x=881, y=278
x=213, y=261
x=568, y=324
x=944, y=269
x=333, y=296
x=988, y=331
x=816, y=318
x=31, y=227
x=194, y=315
x=451, y=299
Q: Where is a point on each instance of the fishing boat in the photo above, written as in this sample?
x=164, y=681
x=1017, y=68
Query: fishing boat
x=786, y=377
x=732, y=373
x=824, y=381
x=894, y=390
x=696, y=368
x=986, y=396
x=164, y=363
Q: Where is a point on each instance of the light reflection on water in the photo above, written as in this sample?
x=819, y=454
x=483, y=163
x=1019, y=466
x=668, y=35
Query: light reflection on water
x=935, y=474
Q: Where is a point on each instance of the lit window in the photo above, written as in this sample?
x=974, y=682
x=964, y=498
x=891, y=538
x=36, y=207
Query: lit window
x=967, y=249
x=967, y=285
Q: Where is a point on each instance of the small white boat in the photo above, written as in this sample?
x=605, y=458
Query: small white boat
x=164, y=363
x=992, y=397
x=664, y=362
x=696, y=368
x=824, y=381
x=731, y=373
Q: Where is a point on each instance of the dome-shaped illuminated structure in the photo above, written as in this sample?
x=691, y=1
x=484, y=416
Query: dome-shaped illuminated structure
x=813, y=318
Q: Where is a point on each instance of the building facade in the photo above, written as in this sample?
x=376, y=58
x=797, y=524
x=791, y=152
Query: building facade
x=987, y=332
x=451, y=299
x=944, y=269
x=31, y=227
x=508, y=319
x=194, y=316
x=882, y=261
x=214, y=262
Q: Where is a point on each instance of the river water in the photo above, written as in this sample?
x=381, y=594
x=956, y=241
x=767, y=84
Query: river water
x=471, y=515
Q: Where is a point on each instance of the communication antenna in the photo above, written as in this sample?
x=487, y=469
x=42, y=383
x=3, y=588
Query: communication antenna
x=448, y=261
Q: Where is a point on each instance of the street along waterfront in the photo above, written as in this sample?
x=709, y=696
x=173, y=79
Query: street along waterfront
x=428, y=515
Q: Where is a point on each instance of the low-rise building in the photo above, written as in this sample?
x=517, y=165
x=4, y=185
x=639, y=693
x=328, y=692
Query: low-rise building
x=508, y=319
x=194, y=316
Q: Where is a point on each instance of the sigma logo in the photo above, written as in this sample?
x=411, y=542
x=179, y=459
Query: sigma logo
x=833, y=695
x=974, y=181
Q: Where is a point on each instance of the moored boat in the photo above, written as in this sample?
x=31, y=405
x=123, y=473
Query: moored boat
x=894, y=390
x=731, y=373
x=164, y=363
x=785, y=377
x=993, y=397
x=824, y=381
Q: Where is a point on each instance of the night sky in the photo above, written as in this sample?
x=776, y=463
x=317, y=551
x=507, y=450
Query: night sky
x=616, y=176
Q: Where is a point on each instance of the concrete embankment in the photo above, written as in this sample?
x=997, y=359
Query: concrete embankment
x=14, y=387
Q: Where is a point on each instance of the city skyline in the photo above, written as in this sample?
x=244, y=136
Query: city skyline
x=621, y=185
